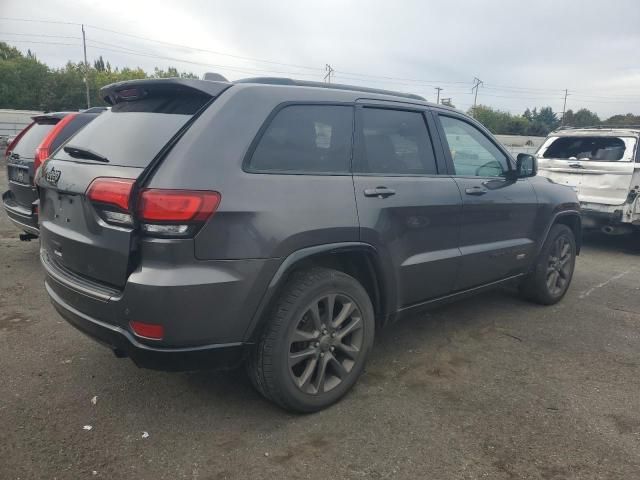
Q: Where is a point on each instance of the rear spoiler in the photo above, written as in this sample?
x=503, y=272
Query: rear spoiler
x=49, y=116
x=130, y=90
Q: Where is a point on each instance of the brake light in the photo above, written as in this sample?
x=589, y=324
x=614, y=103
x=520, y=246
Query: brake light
x=152, y=331
x=44, y=149
x=111, y=197
x=175, y=213
x=15, y=141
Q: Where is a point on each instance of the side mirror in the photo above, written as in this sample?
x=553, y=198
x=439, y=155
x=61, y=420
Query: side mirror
x=526, y=165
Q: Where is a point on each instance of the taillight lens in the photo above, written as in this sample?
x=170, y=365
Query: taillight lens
x=15, y=141
x=44, y=149
x=151, y=331
x=175, y=213
x=111, y=197
x=160, y=212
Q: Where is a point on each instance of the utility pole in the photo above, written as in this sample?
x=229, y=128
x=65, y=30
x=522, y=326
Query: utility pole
x=564, y=107
x=476, y=85
x=438, y=99
x=86, y=68
x=329, y=70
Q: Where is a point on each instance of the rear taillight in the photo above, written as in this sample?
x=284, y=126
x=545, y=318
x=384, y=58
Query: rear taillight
x=159, y=212
x=175, y=213
x=15, y=141
x=44, y=149
x=111, y=198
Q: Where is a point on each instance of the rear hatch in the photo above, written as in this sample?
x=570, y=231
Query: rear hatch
x=598, y=166
x=20, y=158
x=87, y=187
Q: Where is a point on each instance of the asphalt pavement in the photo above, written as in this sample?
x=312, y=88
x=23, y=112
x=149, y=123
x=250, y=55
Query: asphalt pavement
x=491, y=387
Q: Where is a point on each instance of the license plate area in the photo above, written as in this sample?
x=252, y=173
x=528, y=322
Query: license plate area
x=18, y=174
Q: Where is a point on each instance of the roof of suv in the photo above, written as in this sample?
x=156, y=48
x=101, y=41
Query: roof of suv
x=112, y=93
x=596, y=131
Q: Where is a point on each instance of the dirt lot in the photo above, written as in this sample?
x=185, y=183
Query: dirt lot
x=492, y=387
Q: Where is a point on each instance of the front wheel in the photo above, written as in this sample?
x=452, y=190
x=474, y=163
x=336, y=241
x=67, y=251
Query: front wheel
x=553, y=271
x=316, y=341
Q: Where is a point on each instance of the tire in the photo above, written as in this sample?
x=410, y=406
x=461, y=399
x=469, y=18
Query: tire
x=552, y=273
x=286, y=364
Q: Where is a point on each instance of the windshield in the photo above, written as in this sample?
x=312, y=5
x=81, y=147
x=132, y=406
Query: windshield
x=595, y=148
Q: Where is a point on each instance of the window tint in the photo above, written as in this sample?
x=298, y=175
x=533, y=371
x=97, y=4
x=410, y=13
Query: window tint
x=27, y=145
x=132, y=133
x=306, y=138
x=600, y=149
x=473, y=154
x=395, y=142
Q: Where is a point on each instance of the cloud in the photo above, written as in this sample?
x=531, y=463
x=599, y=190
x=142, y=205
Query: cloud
x=526, y=53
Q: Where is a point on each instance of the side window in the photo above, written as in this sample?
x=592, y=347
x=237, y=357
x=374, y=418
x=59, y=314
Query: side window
x=473, y=154
x=306, y=138
x=395, y=142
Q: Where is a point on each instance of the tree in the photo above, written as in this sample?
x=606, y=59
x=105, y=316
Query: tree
x=585, y=118
x=172, y=72
x=99, y=64
x=628, y=119
x=569, y=118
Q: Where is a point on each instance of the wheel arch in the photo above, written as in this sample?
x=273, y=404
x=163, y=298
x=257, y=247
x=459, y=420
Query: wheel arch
x=357, y=259
x=574, y=222
x=570, y=218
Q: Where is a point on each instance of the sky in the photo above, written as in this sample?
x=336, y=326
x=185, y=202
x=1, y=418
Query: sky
x=526, y=53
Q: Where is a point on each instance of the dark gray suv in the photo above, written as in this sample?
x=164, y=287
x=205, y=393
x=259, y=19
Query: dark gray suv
x=281, y=223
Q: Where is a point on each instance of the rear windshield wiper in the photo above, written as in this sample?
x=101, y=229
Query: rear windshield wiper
x=77, y=152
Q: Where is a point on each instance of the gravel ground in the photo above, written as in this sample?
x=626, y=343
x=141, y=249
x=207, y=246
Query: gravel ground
x=491, y=387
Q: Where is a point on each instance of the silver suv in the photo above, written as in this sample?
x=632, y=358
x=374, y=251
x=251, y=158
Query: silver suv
x=602, y=164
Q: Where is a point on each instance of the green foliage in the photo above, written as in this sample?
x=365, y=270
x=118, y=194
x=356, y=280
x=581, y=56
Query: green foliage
x=628, y=119
x=28, y=84
x=581, y=118
x=532, y=122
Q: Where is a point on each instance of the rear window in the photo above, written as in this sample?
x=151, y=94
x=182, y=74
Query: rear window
x=395, y=142
x=132, y=133
x=601, y=149
x=27, y=145
x=306, y=138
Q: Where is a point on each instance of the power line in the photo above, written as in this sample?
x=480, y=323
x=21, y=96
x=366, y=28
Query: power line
x=329, y=70
x=476, y=86
x=544, y=93
x=564, y=106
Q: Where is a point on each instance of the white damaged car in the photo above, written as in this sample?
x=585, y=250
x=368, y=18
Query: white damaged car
x=602, y=164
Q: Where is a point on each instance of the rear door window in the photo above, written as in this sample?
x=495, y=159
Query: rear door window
x=27, y=145
x=133, y=132
x=599, y=149
x=395, y=142
x=306, y=139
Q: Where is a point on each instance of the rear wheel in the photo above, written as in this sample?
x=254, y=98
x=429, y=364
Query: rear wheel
x=316, y=342
x=553, y=271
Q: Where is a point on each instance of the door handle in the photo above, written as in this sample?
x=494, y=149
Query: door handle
x=380, y=192
x=475, y=191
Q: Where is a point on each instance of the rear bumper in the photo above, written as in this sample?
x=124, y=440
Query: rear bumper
x=205, y=308
x=596, y=215
x=120, y=340
x=22, y=217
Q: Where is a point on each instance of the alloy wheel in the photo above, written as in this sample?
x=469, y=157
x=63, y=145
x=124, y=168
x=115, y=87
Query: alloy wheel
x=325, y=343
x=559, y=265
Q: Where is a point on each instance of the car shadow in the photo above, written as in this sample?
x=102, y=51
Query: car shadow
x=629, y=243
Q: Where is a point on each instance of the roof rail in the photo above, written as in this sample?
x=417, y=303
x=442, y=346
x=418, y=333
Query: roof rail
x=335, y=86
x=605, y=127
